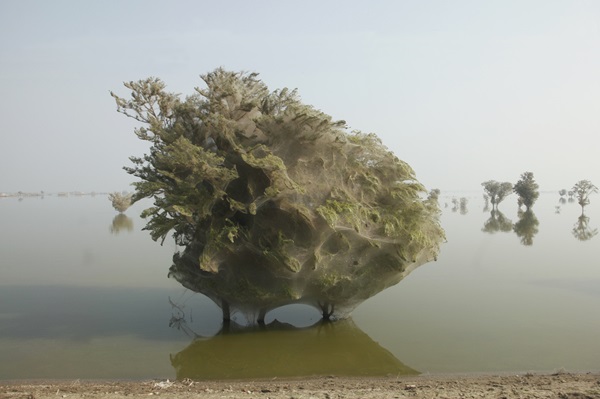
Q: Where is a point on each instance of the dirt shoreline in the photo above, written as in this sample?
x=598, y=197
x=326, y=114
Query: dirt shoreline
x=557, y=385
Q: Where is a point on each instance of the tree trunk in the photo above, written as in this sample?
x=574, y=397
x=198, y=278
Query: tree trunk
x=261, y=316
x=226, y=311
x=327, y=310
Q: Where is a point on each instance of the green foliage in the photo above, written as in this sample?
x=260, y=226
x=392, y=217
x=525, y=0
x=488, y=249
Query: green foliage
x=496, y=191
x=527, y=190
x=255, y=185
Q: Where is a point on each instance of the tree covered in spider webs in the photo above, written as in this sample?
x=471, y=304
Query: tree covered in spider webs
x=271, y=200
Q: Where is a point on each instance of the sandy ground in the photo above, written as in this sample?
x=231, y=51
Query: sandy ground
x=559, y=385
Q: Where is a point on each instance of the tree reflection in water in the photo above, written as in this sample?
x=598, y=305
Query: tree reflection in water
x=527, y=227
x=582, y=230
x=282, y=350
x=460, y=204
x=497, y=222
x=120, y=223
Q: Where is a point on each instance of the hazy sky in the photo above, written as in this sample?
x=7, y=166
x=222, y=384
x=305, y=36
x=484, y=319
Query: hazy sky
x=464, y=91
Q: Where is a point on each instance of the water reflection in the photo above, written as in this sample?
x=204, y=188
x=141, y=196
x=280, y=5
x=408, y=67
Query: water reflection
x=497, y=222
x=582, y=230
x=82, y=314
x=282, y=350
x=106, y=320
x=121, y=223
x=460, y=204
x=527, y=226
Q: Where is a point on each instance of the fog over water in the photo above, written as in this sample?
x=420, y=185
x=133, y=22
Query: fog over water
x=464, y=91
x=92, y=296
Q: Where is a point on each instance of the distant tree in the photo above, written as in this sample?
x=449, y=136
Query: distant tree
x=496, y=191
x=455, y=204
x=582, y=191
x=527, y=190
x=434, y=194
x=562, y=192
x=463, y=206
x=120, y=201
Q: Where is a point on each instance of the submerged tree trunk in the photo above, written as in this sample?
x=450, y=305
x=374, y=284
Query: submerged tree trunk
x=327, y=310
x=226, y=311
x=261, y=316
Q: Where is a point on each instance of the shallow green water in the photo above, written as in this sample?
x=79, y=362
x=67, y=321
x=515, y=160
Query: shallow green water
x=84, y=294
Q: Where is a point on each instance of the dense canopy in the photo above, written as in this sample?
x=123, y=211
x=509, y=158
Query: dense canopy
x=271, y=200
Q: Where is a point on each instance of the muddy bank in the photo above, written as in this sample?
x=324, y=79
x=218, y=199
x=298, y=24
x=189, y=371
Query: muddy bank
x=558, y=385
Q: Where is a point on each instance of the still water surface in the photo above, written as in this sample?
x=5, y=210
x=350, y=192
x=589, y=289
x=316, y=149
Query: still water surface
x=84, y=293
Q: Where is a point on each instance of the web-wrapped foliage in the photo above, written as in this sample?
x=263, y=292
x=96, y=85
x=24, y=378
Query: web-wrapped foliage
x=271, y=200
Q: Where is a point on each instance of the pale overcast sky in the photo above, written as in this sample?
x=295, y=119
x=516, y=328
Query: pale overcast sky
x=464, y=91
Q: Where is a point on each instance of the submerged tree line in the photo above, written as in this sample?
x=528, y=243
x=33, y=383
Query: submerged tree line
x=527, y=191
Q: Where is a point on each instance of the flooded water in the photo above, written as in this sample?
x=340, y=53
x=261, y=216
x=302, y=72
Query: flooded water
x=84, y=293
